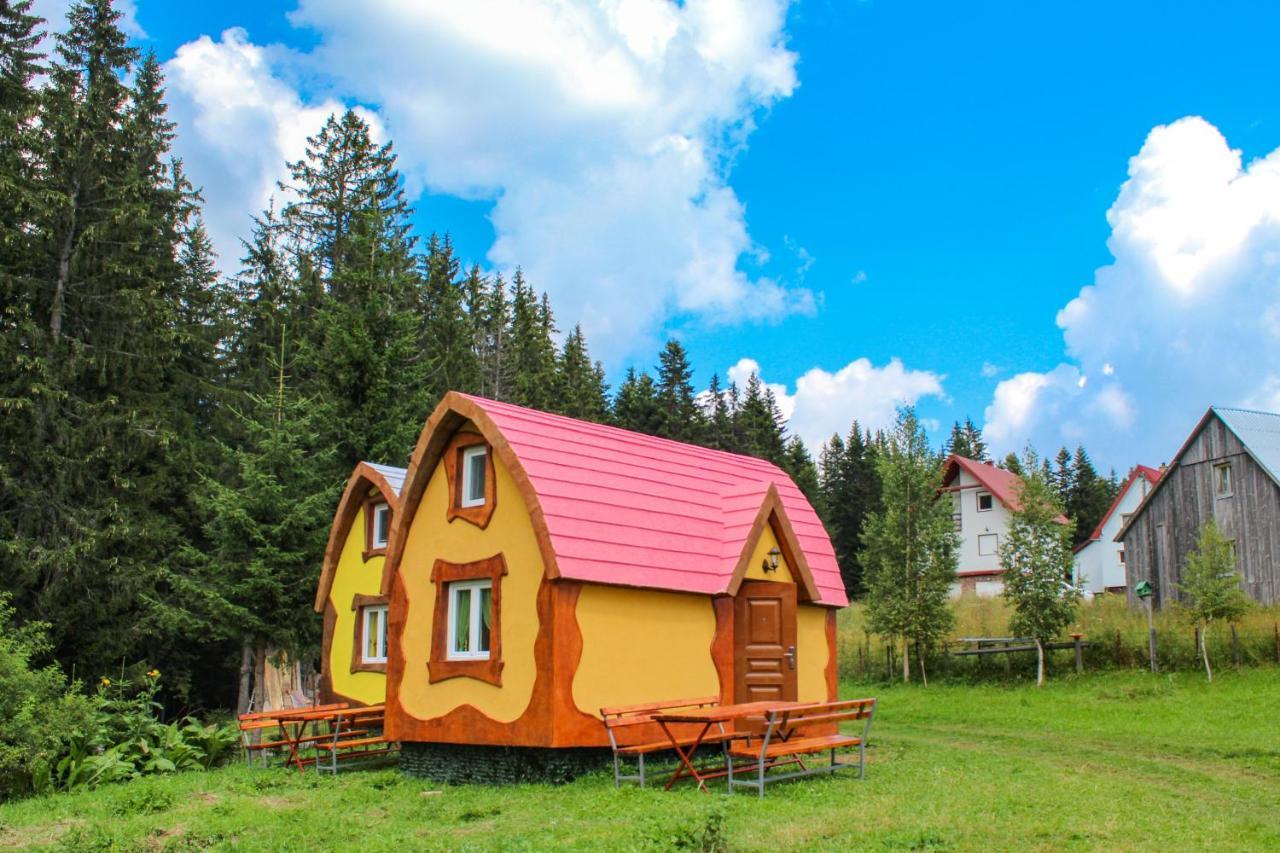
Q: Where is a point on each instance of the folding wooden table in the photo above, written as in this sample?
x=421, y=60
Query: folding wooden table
x=708, y=717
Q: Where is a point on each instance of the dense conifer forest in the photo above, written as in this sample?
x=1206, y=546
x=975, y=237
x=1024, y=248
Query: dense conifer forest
x=174, y=439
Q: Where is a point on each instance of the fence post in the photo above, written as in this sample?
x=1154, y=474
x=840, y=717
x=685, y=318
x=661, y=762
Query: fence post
x=1119, y=662
x=1197, y=640
x=1079, y=653
x=1235, y=644
x=1278, y=642
x=1151, y=638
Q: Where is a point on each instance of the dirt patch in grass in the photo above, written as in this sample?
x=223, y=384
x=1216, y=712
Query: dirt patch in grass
x=33, y=836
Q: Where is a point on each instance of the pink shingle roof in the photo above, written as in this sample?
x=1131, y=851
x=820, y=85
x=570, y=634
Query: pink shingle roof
x=630, y=509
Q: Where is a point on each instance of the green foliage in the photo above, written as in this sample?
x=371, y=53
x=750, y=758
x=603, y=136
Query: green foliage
x=967, y=441
x=1211, y=585
x=909, y=544
x=850, y=489
x=1037, y=561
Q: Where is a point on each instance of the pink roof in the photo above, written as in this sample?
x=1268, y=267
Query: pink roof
x=630, y=509
x=1001, y=483
x=1151, y=475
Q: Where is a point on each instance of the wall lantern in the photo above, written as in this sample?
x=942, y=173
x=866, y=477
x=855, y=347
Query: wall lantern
x=771, y=564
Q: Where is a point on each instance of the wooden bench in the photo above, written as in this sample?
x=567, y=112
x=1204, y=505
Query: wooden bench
x=624, y=720
x=260, y=723
x=340, y=747
x=784, y=741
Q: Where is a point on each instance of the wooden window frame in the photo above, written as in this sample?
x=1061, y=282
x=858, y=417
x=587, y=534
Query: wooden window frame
x=481, y=514
x=370, y=506
x=440, y=667
x=359, y=603
x=1231, y=480
x=977, y=501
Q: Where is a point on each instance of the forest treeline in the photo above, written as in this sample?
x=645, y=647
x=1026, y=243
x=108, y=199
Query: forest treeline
x=174, y=440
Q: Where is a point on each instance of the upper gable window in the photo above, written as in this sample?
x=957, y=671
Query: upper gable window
x=474, y=471
x=1222, y=480
x=985, y=502
x=380, y=532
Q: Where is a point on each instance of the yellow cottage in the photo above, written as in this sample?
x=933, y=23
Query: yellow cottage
x=353, y=656
x=541, y=568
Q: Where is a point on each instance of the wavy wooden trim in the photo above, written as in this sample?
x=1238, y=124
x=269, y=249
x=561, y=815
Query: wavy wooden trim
x=359, y=602
x=452, y=459
x=833, y=672
x=722, y=645
x=363, y=477
x=772, y=513
x=443, y=573
x=454, y=411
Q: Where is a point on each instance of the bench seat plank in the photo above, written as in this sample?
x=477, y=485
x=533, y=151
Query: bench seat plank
x=346, y=744
x=801, y=746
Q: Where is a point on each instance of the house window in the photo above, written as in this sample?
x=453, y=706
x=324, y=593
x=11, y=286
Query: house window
x=984, y=502
x=374, y=643
x=957, y=517
x=987, y=544
x=1121, y=553
x=381, y=526
x=1222, y=480
x=470, y=617
x=466, y=636
x=474, y=469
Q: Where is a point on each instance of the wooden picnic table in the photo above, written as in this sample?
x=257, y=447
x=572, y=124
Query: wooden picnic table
x=293, y=725
x=708, y=717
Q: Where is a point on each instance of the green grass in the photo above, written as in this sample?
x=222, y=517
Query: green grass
x=1118, y=760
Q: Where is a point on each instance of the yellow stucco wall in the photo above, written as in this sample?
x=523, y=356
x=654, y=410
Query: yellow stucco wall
x=432, y=537
x=353, y=576
x=812, y=652
x=643, y=646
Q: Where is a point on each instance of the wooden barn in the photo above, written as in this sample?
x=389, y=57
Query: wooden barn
x=541, y=568
x=353, y=654
x=1227, y=470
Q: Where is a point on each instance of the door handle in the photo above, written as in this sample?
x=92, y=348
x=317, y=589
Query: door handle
x=791, y=657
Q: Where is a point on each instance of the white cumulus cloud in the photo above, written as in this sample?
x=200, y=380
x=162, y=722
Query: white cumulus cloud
x=601, y=131
x=824, y=403
x=1184, y=317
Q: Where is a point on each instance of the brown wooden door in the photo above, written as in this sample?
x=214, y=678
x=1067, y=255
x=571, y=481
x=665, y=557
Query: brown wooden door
x=764, y=642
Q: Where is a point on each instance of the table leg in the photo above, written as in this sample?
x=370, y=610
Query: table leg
x=685, y=757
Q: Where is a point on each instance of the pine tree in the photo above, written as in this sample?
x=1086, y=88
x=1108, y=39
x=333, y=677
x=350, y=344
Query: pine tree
x=1037, y=561
x=682, y=419
x=448, y=332
x=493, y=330
x=976, y=444
x=636, y=405
x=1089, y=498
x=909, y=545
x=582, y=391
x=757, y=423
x=799, y=464
x=530, y=348
x=850, y=491
x=1012, y=464
x=718, y=417
x=1062, y=478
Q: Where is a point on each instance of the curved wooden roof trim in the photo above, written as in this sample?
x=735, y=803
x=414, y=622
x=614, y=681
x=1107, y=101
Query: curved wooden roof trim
x=453, y=412
x=772, y=513
x=362, y=478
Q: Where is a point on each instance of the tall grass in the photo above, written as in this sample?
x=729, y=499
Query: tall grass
x=1116, y=637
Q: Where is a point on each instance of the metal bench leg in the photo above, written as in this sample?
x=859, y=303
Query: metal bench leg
x=617, y=771
x=834, y=766
x=761, y=778
x=862, y=761
x=642, y=770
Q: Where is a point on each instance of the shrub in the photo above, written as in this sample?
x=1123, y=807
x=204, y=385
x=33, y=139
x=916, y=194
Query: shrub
x=38, y=712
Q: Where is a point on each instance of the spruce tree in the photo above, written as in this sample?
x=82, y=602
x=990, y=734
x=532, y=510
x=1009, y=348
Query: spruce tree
x=718, y=417
x=799, y=464
x=758, y=423
x=851, y=491
x=530, y=348
x=636, y=405
x=582, y=391
x=682, y=419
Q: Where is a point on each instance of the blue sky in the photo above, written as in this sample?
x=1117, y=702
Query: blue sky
x=921, y=181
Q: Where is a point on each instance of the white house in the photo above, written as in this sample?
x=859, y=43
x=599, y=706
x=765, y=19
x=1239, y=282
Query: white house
x=1099, y=564
x=983, y=500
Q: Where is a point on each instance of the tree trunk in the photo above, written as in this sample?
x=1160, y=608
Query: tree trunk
x=1039, y=663
x=924, y=676
x=64, y=270
x=246, y=676
x=1204, y=652
x=906, y=661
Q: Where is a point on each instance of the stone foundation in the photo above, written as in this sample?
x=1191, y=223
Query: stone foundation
x=467, y=764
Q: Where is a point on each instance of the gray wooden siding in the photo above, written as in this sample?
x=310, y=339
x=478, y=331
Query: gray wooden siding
x=1158, y=541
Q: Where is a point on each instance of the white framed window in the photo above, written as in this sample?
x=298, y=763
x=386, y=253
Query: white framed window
x=373, y=645
x=1222, y=480
x=985, y=502
x=987, y=544
x=381, y=530
x=1121, y=553
x=474, y=467
x=470, y=612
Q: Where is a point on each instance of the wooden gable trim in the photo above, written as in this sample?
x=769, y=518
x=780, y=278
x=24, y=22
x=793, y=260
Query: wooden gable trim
x=449, y=417
x=772, y=513
x=354, y=496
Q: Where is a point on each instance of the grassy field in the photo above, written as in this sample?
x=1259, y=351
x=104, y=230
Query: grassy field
x=1117, y=760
